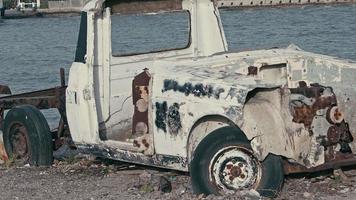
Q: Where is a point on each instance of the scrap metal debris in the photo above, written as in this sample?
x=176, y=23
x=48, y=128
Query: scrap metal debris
x=165, y=185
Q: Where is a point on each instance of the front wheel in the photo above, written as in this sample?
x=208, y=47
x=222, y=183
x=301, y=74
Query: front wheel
x=27, y=137
x=224, y=163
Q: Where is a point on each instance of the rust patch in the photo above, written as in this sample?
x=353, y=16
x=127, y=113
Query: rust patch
x=136, y=144
x=252, y=70
x=334, y=115
x=316, y=103
x=334, y=134
x=140, y=96
x=305, y=113
x=341, y=134
x=145, y=143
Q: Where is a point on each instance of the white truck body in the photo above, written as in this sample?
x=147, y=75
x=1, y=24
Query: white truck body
x=233, y=120
x=99, y=95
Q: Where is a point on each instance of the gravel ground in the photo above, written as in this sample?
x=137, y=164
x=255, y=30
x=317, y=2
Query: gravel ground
x=95, y=179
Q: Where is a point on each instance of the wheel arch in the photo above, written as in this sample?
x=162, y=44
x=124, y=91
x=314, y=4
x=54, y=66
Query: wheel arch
x=270, y=127
x=205, y=126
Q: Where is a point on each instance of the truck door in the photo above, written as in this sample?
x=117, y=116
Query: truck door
x=137, y=42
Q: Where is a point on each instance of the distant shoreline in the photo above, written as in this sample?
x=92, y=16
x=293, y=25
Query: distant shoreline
x=14, y=14
x=224, y=4
x=284, y=6
x=277, y=3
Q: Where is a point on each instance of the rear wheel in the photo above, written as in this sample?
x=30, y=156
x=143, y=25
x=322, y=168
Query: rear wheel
x=27, y=137
x=224, y=163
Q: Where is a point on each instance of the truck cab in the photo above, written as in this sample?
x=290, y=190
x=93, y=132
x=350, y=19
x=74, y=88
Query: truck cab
x=233, y=120
x=131, y=105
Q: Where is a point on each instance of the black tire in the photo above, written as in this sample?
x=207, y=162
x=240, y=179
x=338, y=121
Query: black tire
x=27, y=137
x=207, y=155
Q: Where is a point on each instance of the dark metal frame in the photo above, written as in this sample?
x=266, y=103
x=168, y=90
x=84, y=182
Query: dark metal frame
x=42, y=99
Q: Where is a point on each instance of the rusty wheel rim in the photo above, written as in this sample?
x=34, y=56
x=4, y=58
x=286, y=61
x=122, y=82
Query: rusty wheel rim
x=20, y=143
x=235, y=168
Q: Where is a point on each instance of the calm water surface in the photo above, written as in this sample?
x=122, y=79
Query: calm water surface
x=32, y=50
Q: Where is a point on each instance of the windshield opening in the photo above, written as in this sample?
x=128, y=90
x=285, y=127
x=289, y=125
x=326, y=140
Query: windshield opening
x=82, y=39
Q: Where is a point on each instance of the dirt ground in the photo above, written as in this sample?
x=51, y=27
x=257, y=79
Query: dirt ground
x=90, y=178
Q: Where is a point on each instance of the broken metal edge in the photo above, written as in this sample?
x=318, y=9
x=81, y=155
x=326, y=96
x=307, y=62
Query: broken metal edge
x=293, y=168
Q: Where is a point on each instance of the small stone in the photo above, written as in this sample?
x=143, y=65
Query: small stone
x=165, y=185
x=251, y=194
x=345, y=190
x=182, y=189
x=146, y=188
x=201, y=196
x=43, y=173
x=155, y=188
x=221, y=198
x=307, y=195
x=338, y=173
x=145, y=177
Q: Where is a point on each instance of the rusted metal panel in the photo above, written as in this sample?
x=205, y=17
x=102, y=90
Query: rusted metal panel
x=43, y=99
x=317, y=110
x=341, y=161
